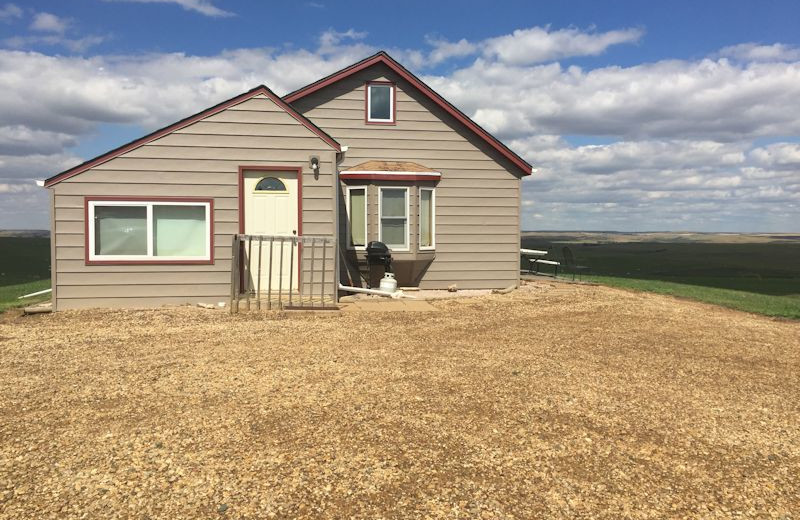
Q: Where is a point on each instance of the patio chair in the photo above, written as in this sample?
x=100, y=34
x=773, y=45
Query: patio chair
x=570, y=266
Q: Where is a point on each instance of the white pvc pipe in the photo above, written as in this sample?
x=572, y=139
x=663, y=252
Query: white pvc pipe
x=396, y=294
x=34, y=294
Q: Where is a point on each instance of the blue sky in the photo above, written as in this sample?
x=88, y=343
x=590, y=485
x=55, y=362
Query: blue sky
x=675, y=29
x=638, y=115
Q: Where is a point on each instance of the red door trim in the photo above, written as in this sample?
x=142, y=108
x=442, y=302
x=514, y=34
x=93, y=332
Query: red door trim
x=269, y=168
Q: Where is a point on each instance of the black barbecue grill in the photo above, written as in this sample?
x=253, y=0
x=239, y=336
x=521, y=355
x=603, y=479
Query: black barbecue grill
x=379, y=254
x=379, y=258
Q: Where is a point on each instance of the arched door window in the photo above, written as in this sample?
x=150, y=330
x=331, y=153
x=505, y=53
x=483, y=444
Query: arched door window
x=271, y=184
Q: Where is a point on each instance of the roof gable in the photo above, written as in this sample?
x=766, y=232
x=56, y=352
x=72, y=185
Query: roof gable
x=261, y=90
x=384, y=58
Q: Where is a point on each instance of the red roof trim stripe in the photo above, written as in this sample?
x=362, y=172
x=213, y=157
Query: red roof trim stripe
x=261, y=89
x=383, y=57
x=389, y=176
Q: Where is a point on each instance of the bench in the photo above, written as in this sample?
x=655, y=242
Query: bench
x=533, y=263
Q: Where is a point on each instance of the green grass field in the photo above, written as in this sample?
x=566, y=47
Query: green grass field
x=761, y=277
x=24, y=268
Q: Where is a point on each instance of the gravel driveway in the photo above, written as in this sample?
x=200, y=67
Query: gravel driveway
x=552, y=401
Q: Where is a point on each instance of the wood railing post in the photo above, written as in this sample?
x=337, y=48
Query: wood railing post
x=234, y=274
x=313, y=255
x=291, y=269
x=300, y=270
x=280, y=277
x=269, y=275
x=258, y=274
x=324, y=269
x=247, y=271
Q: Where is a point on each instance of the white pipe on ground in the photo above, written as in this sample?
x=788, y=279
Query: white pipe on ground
x=361, y=290
x=34, y=294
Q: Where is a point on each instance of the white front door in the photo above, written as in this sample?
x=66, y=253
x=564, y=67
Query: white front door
x=270, y=208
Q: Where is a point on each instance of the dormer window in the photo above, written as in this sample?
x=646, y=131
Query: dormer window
x=380, y=102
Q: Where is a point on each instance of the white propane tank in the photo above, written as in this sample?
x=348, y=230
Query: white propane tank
x=388, y=283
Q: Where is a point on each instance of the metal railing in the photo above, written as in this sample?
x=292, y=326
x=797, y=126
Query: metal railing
x=282, y=272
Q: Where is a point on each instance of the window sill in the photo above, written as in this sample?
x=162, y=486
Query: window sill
x=150, y=262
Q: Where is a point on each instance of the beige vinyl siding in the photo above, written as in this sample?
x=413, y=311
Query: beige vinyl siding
x=200, y=160
x=477, y=198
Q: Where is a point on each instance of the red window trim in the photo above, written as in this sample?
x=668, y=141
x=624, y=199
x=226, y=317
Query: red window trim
x=389, y=177
x=94, y=198
x=394, y=103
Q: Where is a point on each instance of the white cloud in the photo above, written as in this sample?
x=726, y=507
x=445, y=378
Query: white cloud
x=756, y=52
x=10, y=12
x=51, y=30
x=77, y=45
x=21, y=140
x=47, y=22
x=783, y=156
x=200, y=6
x=540, y=44
x=675, y=139
x=522, y=47
x=660, y=185
x=330, y=41
x=704, y=99
x=444, y=50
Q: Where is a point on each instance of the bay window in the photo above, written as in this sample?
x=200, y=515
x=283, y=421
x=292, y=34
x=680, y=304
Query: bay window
x=393, y=217
x=164, y=230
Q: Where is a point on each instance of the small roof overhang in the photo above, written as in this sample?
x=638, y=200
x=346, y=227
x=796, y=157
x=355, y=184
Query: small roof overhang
x=390, y=171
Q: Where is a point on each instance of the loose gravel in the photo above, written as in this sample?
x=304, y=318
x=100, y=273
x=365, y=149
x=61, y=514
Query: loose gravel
x=552, y=401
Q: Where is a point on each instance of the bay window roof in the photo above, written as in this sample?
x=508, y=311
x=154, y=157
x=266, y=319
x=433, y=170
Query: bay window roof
x=390, y=170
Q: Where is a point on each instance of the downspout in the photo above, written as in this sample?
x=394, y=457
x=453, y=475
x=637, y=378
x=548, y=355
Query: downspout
x=337, y=192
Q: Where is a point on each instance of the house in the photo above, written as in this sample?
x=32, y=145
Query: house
x=367, y=153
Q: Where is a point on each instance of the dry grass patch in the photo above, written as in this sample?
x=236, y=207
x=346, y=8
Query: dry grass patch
x=553, y=401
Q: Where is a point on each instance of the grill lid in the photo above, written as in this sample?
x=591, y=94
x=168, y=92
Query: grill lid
x=376, y=248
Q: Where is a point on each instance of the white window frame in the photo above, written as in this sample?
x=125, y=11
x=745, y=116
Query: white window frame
x=394, y=247
x=350, y=244
x=433, y=219
x=149, y=257
x=391, y=88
